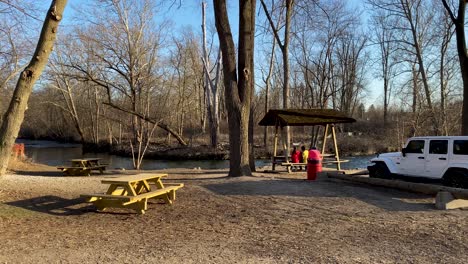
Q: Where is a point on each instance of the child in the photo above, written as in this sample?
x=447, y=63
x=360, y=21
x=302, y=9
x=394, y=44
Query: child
x=304, y=156
x=295, y=156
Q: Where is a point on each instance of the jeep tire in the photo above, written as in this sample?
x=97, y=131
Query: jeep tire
x=379, y=170
x=456, y=178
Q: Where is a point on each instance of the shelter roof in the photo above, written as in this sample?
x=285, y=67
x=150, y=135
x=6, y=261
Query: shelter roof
x=304, y=117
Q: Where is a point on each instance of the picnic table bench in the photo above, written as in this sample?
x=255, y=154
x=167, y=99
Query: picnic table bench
x=83, y=166
x=288, y=165
x=281, y=160
x=133, y=192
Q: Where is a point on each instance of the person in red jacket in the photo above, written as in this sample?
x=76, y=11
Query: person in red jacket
x=295, y=154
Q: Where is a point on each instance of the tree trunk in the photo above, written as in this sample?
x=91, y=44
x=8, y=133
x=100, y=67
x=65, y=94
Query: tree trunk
x=422, y=68
x=459, y=22
x=448, y=33
x=385, y=112
x=415, y=89
x=251, y=138
x=211, y=90
x=14, y=116
x=285, y=51
x=238, y=85
x=284, y=46
x=267, y=89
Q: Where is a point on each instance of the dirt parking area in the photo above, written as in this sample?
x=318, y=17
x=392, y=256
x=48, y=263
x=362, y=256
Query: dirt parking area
x=268, y=218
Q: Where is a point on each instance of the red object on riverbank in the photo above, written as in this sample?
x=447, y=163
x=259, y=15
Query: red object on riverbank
x=18, y=150
x=314, y=164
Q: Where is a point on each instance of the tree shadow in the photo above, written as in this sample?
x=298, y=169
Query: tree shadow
x=196, y=179
x=54, y=205
x=204, y=172
x=41, y=173
x=384, y=198
x=61, y=174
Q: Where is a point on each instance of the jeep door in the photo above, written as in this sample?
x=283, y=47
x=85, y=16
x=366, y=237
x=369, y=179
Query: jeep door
x=413, y=162
x=437, y=158
x=460, y=152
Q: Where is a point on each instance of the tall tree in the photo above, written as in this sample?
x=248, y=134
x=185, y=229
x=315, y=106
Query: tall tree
x=267, y=81
x=238, y=80
x=15, y=114
x=284, y=46
x=211, y=87
x=384, y=39
x=459, y=22
x=445, y=29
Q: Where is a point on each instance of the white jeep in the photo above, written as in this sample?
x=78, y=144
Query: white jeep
x=444, y=157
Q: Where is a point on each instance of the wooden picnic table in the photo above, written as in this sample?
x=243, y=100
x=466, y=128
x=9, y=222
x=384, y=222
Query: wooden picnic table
x=133, y=192
x=85, y=162
x=281, y=160
x=83, y=166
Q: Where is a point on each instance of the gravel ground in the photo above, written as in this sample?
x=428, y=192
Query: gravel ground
x=268, y=218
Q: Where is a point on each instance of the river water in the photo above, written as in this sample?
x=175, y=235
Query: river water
x=56, y=154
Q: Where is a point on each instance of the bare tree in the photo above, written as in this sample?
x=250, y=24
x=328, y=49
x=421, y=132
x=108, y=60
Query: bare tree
x=211, y=86
x=459, y=22
x=284, y=47
x=384, y=39
x=124, y=51
x=350, y=54
x=446, y=30
x=267, y=81
x=414, y=26
x=67, y=88
x=238, y=80
x=14, y=116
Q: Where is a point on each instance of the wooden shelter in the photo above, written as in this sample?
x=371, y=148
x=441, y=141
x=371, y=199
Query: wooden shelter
x=306, y=117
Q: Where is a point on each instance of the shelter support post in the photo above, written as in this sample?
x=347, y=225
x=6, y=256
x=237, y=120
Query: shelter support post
x=275, y=148
x=325, y=134
x=276, y=140
x=337, y=156
x=285, y=147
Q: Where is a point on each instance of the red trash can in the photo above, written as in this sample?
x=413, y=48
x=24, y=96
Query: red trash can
x=314, y=164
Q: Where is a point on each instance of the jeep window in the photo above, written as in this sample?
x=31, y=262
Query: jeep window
x=415, y=146
x=460, y=147
x=438, y=147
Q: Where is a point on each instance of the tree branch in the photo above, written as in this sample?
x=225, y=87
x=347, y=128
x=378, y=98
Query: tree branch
x=449, y=11
x=150, y=120
x=270, y=20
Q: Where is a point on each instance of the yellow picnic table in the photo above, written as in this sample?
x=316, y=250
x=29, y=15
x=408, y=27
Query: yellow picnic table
x=85, y=162
x=133, y=192
x=83, y=166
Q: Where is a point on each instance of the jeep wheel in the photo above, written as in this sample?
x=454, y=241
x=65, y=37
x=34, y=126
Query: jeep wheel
x=456, y=178
x=379, y=170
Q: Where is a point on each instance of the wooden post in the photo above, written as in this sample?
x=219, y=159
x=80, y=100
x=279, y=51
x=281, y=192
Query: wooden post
x=285, y=147
x=273, y=159
x=120, y=133
x=337, y=156
x=324, y=139
x=276, y=140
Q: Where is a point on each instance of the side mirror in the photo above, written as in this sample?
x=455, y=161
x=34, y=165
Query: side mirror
x=403, y=151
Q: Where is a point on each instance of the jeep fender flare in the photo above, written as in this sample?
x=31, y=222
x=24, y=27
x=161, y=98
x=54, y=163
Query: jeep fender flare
x=388, y=162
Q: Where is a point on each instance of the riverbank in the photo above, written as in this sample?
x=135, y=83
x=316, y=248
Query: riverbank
x=161, y=151
x=199, y=152
x=267, y=218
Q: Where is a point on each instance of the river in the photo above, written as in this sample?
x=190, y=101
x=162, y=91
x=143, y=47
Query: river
x=56, y=154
